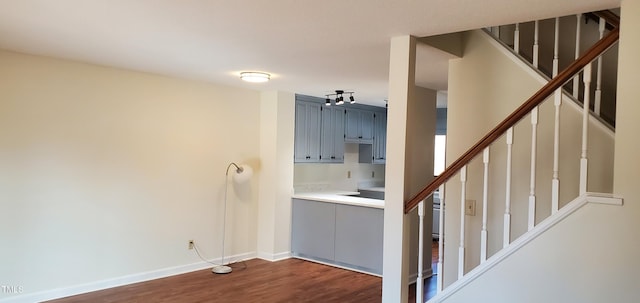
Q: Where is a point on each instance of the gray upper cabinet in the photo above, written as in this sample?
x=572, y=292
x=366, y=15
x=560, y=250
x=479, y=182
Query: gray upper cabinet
x=376, y=153
x=332, y=135
x=321, y=131
x=307, y=132
x=380, y=137
x=358, y=126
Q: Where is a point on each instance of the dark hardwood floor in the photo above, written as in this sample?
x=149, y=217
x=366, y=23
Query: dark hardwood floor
x=290, y=280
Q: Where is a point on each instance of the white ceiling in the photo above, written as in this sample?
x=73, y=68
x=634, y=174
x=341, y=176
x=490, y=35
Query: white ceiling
x=310, y=47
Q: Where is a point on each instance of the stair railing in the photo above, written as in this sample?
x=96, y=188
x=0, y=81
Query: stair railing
x=583, y=63
x=510, y=36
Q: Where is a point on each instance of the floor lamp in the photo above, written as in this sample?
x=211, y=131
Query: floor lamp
x=242, y=175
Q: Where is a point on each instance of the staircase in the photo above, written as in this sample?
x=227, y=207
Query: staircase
x=517, y=202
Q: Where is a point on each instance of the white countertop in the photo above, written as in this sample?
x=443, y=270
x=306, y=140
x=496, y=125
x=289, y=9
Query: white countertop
x=340, y=198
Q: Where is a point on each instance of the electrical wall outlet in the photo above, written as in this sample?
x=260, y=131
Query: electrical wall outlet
x=470, y=207
x=348, y=174
x=191, y=244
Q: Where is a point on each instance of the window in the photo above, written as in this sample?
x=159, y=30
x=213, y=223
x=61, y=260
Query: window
x=438, y=156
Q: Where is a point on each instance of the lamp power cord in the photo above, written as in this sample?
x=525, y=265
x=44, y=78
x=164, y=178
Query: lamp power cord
x=242, y=265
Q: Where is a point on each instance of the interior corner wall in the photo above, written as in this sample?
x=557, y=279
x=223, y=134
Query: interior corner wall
x=107, y=173
x=486, y=85
x=421, y=133
x=277, y=115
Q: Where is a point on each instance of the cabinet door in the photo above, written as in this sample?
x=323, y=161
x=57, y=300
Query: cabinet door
x=359, y=126
x=307, y=132
x=301, y=151
x=380, y=138
x=338, y=134
x=327, y=143
x=332, y=142
x=352, y=125
x=313, y=131
x=366, y=127
x=358, y=238
x=313, y=229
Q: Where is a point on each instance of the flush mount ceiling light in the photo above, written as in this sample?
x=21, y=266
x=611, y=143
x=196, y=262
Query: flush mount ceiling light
x=339, y=100
x=255, y=77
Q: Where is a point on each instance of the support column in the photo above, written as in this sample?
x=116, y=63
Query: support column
x=409, y=167
x=277, y=113
x=396, y=223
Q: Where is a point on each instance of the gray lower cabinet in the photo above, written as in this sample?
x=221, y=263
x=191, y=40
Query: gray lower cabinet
x=344, y=235
x=313, y=229
x=359, y=233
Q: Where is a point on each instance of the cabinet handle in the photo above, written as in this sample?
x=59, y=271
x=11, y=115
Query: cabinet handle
x=333, y=157
x=360, y=137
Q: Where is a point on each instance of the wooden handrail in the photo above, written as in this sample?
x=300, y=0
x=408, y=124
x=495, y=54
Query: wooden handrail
x=609, y=17
x=567, y=74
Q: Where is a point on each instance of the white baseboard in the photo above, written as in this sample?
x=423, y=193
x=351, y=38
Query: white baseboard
x=362, y=271
x=120, y=281
x=274, y=257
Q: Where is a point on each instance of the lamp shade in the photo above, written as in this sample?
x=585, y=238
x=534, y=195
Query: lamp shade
x=244, y=176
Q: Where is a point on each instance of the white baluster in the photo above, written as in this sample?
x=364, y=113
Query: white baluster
x=598, y=97
x=439, y=283
x=495, y=30
x=532, y=182
x=536, y=33
x=555, y=182
x=485, y=202
x=556, y=47
x=576, y=79
x=585, y=125
x=516, y=39
x=463, y=197
x=420, y=279
x=507, y=211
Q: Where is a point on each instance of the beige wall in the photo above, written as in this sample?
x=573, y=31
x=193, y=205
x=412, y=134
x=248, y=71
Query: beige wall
x=485, y=86
x=106, y=173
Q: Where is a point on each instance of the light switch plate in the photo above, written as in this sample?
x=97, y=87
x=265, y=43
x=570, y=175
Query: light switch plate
x=470, y=207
